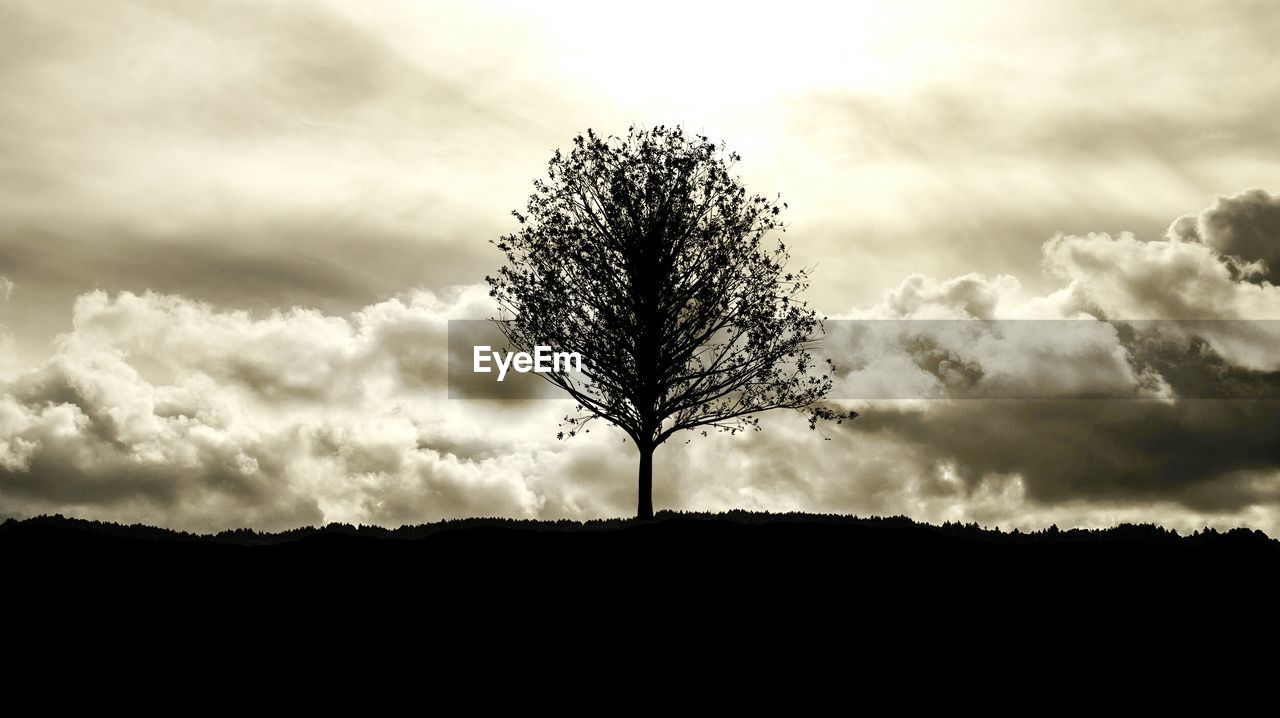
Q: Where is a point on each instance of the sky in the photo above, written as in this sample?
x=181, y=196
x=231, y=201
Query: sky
x=232, y=234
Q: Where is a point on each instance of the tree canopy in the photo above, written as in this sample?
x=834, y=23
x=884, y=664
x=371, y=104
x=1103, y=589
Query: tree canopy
x=646, y=255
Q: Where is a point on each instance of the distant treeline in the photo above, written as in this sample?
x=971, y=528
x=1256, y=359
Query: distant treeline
x=969, y=532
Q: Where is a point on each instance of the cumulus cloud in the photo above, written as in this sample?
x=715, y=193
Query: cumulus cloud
x=979, y=337
x=161, y=409
x=1245, y=228
x=1124, y=278
x=1172, y=321
x=972, y=296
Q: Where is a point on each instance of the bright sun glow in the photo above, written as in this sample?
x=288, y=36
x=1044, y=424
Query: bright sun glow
x=720, y=54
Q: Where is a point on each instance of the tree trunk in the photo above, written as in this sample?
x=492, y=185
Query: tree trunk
x=644, y=504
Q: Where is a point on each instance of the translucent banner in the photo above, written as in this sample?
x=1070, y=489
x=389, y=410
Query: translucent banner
x=1157, y=360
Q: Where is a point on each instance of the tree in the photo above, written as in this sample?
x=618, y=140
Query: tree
x=646, y=256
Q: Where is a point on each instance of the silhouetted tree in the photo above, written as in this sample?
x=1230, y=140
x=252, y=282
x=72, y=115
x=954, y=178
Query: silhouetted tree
x=645, y=255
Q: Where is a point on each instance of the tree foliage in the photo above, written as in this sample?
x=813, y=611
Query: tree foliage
x=645, y=254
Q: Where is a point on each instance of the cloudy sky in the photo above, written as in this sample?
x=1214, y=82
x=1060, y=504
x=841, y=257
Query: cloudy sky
x=232, y=234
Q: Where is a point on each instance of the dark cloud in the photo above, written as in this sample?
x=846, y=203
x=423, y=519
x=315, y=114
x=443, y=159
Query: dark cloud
x=1199, y=427
x=81, y=436
x=1114, y=450
x=261, y=278
x=941, y=122
x=1181, y=355
x=1245, y=227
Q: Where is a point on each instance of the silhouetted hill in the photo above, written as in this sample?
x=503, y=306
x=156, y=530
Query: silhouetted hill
x=686, y=567
x=683, y=542
x=44, y=533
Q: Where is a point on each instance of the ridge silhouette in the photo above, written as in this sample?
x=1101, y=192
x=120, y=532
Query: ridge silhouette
x=738, y=540
x=683, y=574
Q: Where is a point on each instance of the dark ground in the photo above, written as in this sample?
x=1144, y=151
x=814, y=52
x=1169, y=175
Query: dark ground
x=680, y=575
x=761, y=551
x=727, y=603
